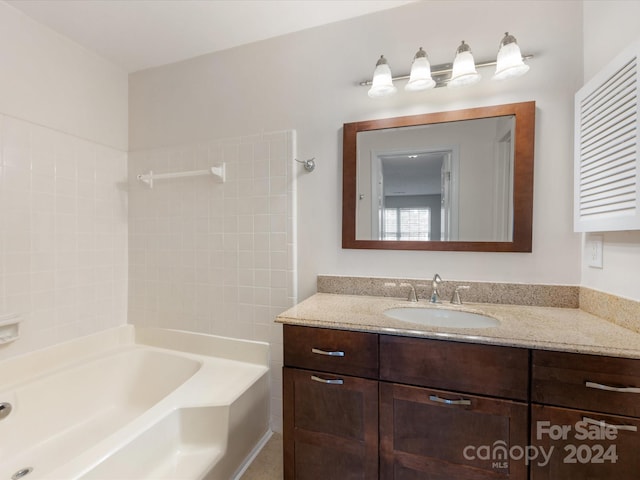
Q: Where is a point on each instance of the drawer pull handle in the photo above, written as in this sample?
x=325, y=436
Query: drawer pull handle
x=462, y=401
x=608, y=388
x=328, y=381
x=602, y=423
x=328, y=354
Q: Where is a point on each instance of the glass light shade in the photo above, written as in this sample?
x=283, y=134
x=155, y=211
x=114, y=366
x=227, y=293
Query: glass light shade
x=509, y=63
x=464, y=68
x=382, y=84
x=420, y=77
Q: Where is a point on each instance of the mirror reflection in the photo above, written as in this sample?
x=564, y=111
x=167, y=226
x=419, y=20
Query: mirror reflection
x=441, y=182
x=458, y=180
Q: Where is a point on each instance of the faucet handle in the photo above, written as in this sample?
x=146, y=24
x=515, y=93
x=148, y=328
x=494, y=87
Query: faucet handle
x=412, y=292
x=455, y=299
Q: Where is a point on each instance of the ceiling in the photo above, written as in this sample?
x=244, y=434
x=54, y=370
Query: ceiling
x=140, y=34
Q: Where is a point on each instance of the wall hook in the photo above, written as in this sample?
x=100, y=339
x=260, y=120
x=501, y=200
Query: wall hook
x=309, y=165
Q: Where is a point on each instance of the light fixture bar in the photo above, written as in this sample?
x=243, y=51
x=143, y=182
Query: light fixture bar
x=442, y=73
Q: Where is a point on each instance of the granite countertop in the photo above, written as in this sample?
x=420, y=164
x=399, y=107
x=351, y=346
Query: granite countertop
x=546, y=328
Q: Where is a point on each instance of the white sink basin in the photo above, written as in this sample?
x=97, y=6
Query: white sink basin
x=437, y=317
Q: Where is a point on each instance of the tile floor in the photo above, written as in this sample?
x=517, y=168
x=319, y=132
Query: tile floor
x=268, y=464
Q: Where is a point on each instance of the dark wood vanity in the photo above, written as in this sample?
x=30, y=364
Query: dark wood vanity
x=367, y=406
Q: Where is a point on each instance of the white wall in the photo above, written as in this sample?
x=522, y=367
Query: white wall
x=63, y=211
x=307, y=81
x=609, y=26
x=49, y=80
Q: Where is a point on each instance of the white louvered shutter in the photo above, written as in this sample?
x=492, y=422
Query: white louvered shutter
x=607, y=148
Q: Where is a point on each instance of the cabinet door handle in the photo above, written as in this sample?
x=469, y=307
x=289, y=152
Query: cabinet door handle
x=328, y=381
x=602, y=423
x=462, y=401
x=328, y=354
x=609, y=388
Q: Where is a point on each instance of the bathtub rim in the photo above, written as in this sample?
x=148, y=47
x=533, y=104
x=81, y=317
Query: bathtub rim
x=32, y=365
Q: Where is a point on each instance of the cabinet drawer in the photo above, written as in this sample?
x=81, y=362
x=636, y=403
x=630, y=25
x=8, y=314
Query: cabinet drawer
x=473, y=368
x=328, y=350
x=589, y=382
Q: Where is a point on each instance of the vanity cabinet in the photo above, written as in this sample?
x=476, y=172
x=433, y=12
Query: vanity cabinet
x=357, y=401
x=330, y=411
x=367, y=406
x=476, y=395
x=586, y=415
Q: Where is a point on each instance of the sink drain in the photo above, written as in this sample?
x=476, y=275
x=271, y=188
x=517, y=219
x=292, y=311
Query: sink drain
x=21, y=473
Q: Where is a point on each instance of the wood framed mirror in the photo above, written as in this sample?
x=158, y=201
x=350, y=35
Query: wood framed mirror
x=460, y=180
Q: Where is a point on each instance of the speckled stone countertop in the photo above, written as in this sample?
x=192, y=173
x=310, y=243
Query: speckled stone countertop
x=546, y=328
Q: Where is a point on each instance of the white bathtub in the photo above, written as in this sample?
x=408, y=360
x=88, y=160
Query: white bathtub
x=134, y=404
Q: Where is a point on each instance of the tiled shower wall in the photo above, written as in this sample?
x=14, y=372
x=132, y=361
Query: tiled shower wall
x=215, y=257
x=63, y=235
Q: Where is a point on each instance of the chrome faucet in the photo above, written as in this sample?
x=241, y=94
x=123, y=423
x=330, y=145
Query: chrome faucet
x=435, y=297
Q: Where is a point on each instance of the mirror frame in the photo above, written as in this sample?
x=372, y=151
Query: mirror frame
x=524, y=113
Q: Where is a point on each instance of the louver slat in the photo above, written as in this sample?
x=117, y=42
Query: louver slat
x=605, y=190
x=606, y=94
x=594, y=198
x=617, y=158
x=612, y=147
x=624, y=122
x=607, y=148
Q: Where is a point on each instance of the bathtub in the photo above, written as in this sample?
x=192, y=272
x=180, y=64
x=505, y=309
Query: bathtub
x=132, y=404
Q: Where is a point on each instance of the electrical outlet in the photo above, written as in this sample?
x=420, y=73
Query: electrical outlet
x=593, y=250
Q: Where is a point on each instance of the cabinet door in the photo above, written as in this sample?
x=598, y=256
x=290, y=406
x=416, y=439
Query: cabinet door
x=441, y=435
x=580, y=447
x=330, y=426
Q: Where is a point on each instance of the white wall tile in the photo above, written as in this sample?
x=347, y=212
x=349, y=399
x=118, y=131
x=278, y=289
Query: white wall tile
x=56, y=242
x=213, y=257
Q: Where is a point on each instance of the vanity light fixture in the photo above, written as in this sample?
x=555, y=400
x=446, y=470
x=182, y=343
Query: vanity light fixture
x=509, y=63
x=464, y=68
x=420, y=77
x=462, y=72
x=382, y=84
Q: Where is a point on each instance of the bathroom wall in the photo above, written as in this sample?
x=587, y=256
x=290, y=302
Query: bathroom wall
x=609, y=27
x=308, y=81
x=49, y=80
x=63, y=210
x=216, y=257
